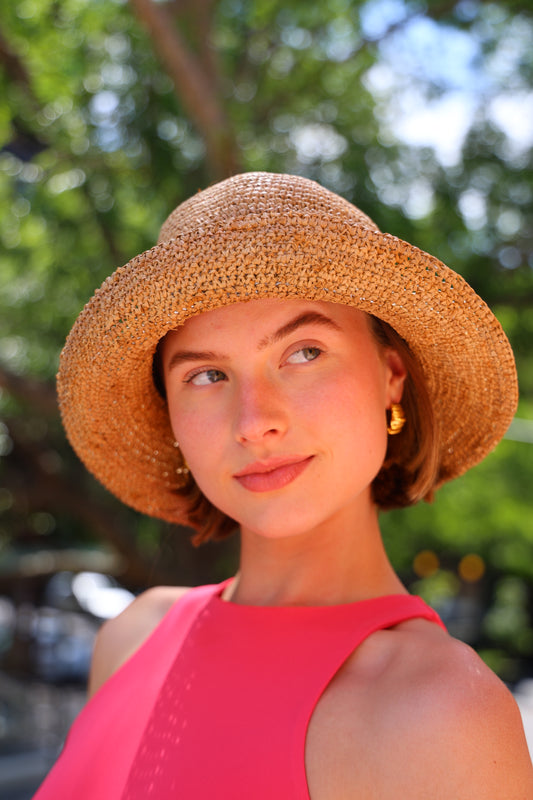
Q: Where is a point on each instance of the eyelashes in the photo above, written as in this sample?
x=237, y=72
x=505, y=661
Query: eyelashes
x=304, y=355
x=212, y=375
x=206, y=377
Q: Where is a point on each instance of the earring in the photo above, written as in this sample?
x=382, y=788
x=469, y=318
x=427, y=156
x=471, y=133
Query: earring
x=184, y=469
x=397, y=419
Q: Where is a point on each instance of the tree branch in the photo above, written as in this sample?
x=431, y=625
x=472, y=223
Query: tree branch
x=14, y=66
x=196, y=91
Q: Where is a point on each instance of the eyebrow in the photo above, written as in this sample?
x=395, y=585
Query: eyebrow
x=182, y=356
x=307, y=318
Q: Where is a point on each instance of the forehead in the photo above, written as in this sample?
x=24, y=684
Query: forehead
x=265, y=316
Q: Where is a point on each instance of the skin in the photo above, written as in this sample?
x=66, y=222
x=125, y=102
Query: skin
x=412, y=713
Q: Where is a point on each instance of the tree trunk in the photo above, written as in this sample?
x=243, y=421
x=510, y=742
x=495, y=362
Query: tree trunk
x=194, y=84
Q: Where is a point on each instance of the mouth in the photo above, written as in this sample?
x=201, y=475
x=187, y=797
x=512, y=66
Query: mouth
x=272, y=474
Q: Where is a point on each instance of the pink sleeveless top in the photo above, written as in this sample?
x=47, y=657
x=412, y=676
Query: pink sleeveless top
x=216, y=702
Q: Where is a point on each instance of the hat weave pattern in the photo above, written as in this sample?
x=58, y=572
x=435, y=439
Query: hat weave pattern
x=262, y=235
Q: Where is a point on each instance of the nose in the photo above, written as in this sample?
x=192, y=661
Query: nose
x=261, y=411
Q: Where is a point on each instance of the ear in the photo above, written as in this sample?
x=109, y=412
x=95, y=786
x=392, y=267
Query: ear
x=396, y=373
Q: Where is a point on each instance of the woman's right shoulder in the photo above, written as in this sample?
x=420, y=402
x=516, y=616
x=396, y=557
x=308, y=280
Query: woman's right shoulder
x=120, y=637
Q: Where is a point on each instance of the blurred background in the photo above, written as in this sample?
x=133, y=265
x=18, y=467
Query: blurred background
x=112, y=112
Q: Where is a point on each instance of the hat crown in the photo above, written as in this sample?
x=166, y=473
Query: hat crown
x=259, y=195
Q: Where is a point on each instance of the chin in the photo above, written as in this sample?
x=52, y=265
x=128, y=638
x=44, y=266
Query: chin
x=275, y=533
x=275, y=524
x=291, y=514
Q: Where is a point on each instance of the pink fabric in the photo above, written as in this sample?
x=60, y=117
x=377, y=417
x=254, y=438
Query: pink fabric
x=216, y=703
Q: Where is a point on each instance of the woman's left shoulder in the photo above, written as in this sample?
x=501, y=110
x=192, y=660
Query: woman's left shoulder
x=455, y=674
x=447, y=675
x=470, y=712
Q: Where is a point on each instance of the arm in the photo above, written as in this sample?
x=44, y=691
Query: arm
x=416, y=714
x=485, y=751
x=470, y=743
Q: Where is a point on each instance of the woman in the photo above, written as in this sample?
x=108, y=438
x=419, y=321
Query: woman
x=277, y=365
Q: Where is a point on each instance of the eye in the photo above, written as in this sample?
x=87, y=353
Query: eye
x=303, y=355
x=206, y=377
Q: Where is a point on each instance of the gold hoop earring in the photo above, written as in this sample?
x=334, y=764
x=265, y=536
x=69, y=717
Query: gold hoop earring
x=184, y=468
x=397, y=419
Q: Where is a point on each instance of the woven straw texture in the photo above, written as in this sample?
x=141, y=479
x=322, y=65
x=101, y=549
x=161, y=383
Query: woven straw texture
x=263, y=235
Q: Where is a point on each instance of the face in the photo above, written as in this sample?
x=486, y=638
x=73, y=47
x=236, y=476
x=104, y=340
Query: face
x=279, y=409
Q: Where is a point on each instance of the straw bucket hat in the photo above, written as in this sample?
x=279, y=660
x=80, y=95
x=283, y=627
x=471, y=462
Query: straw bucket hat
x=261, y=235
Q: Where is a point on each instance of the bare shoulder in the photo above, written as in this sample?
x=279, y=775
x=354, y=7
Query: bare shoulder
x=119, y=638
x=426, y=717
x=448, y=676
x=467, y=722
x=483, y=751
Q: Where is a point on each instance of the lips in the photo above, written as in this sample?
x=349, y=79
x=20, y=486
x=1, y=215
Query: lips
x=272, y=474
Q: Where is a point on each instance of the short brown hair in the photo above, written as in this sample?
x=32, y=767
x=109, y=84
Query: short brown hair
x=411, y=468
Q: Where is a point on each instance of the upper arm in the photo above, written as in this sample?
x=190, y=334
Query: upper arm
x=479, y=749
x=492, y=743
x=431, y=721
x=503, y=750
x=119, y=638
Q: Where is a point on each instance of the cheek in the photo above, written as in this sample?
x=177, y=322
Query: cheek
x=199, y=434
x=354, y=399
x=186, y=426
x=351, y=414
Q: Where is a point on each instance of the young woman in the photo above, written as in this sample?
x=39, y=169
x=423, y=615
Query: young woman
x=278, y=366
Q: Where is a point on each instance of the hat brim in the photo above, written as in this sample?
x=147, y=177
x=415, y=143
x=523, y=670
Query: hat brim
x=118, y=423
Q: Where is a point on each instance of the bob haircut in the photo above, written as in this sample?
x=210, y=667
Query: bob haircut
x=410, y=471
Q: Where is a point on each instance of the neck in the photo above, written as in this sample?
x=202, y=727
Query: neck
x=341, y=561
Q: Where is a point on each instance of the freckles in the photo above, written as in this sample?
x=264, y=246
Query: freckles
x=193, y=429
x=204, y=436
x=185, y=426
x=341, y=396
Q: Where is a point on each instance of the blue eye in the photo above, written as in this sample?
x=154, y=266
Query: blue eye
x=304, y=355
x=206, y=377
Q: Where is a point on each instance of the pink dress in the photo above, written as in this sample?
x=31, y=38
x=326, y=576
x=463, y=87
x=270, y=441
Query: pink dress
x=216, y=702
